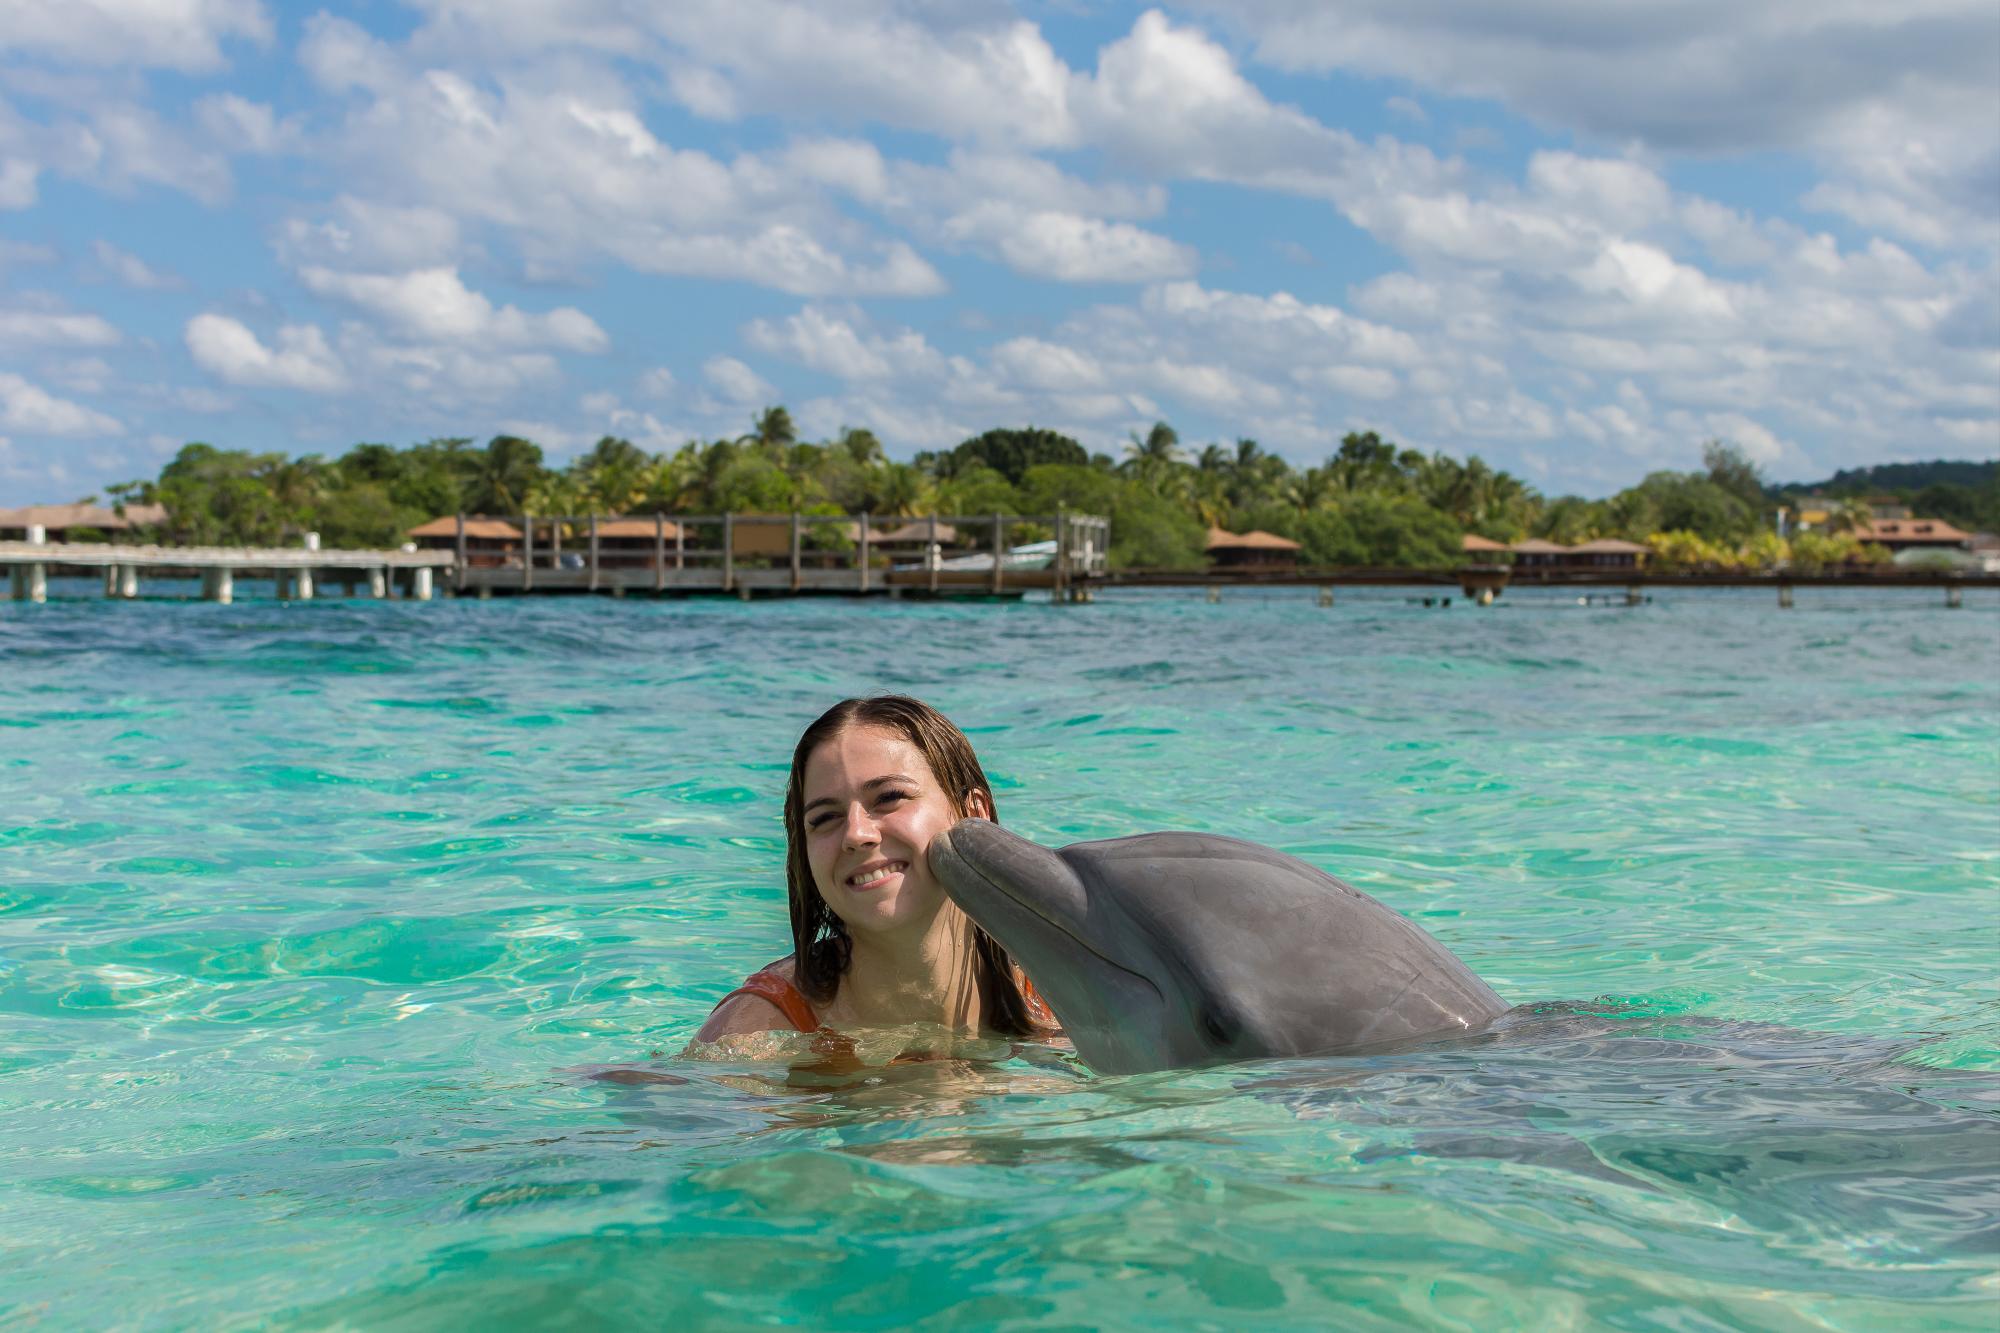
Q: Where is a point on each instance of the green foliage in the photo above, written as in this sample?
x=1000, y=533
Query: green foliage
x=979, y=490
x=1012, y=452
x=1151, y=532
x=1369, y=503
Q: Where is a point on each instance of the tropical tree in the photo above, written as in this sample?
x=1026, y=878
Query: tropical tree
x=503, y=475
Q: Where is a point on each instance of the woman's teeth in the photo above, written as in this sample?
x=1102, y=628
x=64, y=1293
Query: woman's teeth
x=863, y=880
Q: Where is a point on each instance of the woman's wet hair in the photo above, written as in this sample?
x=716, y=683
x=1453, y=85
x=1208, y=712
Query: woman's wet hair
x=819, y=938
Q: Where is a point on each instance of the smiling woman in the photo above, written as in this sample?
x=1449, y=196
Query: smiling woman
x=876, y=942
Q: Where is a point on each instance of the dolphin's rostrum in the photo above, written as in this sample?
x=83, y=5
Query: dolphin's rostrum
x=1172, y=949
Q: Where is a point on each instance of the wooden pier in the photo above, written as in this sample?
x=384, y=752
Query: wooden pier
x=747, y=555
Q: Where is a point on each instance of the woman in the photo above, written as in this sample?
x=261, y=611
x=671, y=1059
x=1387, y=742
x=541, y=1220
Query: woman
x=875, y=941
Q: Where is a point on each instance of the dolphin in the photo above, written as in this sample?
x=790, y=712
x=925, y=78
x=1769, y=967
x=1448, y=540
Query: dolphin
x=1173, y=949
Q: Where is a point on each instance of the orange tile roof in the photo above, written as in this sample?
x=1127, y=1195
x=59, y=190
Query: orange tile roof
x=1255, y=540
x=1912, y=530
x=447, y=526
x=1472, y=541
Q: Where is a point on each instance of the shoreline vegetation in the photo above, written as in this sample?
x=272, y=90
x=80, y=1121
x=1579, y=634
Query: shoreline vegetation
x=1370, y=503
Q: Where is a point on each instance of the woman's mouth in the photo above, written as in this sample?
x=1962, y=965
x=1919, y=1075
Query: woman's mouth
x=875, y=874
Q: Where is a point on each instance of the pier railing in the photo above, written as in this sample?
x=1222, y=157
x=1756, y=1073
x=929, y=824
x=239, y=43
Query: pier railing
x=741, y=553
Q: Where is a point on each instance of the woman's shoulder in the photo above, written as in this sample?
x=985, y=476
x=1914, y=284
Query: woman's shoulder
x=768, y=1000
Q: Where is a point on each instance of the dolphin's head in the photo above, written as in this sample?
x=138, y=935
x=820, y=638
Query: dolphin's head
x=1175, y=949
x=1131, y=996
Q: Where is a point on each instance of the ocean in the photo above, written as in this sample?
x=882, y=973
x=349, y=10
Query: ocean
x=315, y=919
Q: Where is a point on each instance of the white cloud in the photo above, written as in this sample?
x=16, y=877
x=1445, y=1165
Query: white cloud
x=243, y=126
x=737, y=382
x=1897, y=99
x=657, y=382
x=36, y=329
x=361, y=233
x=130, y=269
x=17, y=183
x=822, y=342
x=184, y=35
x=1069, y=248
x=29, y=408
x=230, y=351
x=435, y=304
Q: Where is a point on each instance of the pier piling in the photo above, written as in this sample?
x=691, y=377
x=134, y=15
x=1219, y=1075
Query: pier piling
x=1326, y=597
x=420, y=583
x=1784, y=596
x=1954, y=596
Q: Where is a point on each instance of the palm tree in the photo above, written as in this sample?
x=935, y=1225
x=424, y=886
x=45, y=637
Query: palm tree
x=1159, y=450
x=772, y=429
x=503, y=475
x=900, y=488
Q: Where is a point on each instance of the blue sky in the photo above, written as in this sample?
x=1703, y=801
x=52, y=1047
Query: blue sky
x=1575, y=239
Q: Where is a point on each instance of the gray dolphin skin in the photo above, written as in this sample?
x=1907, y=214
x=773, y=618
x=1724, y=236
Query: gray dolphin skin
x=1173, y=949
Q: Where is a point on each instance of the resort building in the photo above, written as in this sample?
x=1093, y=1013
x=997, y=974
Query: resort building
x=1606, y=555
x=1484, y=550
x=635, y=541
x=75, y=523
x=906, y=539
x=1250, y=550
x=490, y=543
x=1905, y=533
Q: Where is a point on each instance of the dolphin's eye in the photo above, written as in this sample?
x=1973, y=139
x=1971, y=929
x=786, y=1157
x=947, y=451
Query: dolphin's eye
x=1221, y=1027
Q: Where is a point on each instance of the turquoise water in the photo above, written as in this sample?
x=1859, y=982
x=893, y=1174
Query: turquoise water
x=312, y=915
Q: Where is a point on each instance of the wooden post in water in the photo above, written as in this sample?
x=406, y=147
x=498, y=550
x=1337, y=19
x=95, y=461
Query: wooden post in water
x=659, y=552
x=680, y=541
x=998, y=555
x=593, y=552
x=1326, y=597
x=111, y=580
x=1954, y=596
x=1784, y=596
x=459, y=579
x=527, y=553
x=1062, y=556
x=555, y=543
x=797, y=525
x=864, y=551
x=729, y=552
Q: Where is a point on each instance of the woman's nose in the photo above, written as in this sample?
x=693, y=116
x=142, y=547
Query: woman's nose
x=861, y=831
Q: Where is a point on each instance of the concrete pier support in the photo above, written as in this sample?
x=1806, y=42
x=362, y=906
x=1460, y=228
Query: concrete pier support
x=1485, y=596
x=1214, y=594
x=1326, y=597
x=111, y=580
x=219, y=585
x=128, y=581
x=30, y=583
x=1784, y=596
x=1633, y=596
x=302, y=580
x=378, y=583
x=1954, y=596
x=420, y=583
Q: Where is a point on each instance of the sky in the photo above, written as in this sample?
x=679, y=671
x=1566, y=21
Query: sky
x=1577, y=239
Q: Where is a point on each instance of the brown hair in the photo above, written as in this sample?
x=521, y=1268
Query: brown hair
x=820, y=942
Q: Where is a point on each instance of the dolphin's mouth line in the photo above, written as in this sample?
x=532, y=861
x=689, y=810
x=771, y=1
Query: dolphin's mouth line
x=1073, y=938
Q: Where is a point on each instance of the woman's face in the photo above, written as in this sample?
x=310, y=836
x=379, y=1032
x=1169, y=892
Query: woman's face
x=872, y=807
